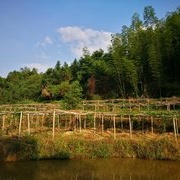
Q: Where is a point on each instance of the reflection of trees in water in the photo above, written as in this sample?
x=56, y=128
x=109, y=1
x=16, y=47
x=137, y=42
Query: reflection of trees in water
x=91, y=169
x=18, y=170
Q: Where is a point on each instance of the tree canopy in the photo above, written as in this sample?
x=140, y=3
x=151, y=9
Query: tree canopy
x=143, y=60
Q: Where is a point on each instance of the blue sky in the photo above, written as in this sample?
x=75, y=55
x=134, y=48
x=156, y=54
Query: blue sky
x=38, y=33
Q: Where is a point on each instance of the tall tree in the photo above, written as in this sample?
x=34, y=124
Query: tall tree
x=150, y=18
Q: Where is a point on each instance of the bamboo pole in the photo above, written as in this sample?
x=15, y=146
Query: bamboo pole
x=114, y=123
x=175, y=130
x=130, y=126
x=177, y=125
x=3, y=118
x=54, y=117
x=148, y=106
x=28, y=124
x=94, y=123
x=58, y=121
x=79, y=116
x=75, y=124
x=20, y=122
x=95, y=107
x=102, y=123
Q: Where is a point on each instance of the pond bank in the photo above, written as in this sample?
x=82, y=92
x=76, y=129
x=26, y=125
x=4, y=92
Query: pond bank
x=70, y=145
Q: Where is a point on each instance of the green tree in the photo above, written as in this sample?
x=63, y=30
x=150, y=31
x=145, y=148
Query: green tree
x=73, y=96
x=150, y=19
x=124, y=68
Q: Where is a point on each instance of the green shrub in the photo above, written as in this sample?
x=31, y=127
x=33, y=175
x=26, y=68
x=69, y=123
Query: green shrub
x=101, y=149
x=123, y=148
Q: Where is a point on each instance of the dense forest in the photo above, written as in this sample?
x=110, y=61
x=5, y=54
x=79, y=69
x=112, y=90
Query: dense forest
x=142, y=61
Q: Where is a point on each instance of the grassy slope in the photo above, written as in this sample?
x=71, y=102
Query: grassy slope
x=72, y=145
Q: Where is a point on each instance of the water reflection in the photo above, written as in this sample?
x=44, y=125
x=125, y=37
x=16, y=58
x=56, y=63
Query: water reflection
x=98, y=169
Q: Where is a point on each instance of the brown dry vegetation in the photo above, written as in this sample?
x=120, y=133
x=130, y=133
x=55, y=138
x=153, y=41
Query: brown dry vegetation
x=44, y=131
x=70, y=145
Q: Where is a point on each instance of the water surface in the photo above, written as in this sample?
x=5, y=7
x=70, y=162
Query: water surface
x=89, y=169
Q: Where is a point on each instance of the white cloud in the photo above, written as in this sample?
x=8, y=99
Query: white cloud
x=47, y=40
x=77, y=38
x=43, y=61
x=40, y=67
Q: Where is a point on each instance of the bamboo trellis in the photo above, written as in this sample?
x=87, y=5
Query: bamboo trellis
x=119, y=113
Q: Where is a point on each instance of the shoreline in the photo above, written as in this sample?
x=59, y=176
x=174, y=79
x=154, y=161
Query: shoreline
x=71, y=145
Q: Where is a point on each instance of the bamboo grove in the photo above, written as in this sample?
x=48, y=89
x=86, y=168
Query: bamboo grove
x=143, y=60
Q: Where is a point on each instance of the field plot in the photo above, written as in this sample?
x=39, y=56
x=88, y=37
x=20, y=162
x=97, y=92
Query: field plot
x=116, y=116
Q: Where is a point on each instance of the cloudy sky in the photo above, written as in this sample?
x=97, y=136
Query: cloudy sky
x=38, y=33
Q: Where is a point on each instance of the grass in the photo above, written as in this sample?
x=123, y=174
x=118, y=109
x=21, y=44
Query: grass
x=70, y=145
x=15, y=148
x=75, y=146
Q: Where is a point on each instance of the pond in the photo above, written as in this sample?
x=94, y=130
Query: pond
x=91, y=169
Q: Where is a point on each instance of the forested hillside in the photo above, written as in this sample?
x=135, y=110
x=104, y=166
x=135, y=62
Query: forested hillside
x=143, y=60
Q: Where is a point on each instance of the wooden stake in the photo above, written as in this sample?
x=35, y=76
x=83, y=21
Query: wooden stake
x=54, y=117
x=94, y=123
x=59, y=121
x=148, y=104
x=114, y=122
x=20, y=122
x=28, y=124
x=174, y=125
x=75, y=124
x=130, y=126
x=177, y=125
x=102, y=123
x=80, y=123
x=3, y=118
x=95, y=107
